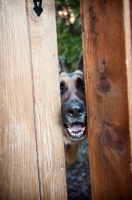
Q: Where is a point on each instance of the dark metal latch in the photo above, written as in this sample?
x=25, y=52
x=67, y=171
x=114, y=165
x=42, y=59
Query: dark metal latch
x=37, y=7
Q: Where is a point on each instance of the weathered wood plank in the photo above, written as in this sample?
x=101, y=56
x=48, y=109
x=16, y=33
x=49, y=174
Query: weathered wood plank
x=18, y=159
x=106, y=96
x=47, y=102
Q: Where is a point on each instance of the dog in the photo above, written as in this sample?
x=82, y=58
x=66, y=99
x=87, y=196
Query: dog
x=73, y=109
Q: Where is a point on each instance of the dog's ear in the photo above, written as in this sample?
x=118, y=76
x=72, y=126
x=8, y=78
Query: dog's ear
x=80, y=63
x=60, y=65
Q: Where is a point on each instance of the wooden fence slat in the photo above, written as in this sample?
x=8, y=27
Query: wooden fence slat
x=47, y=102
x=106, y=97
x=18, y=159
x=128, y=40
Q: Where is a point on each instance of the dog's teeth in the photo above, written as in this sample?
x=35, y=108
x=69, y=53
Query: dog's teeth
x=79, y=133
x=83, y=129
x=69, y=130
x=72, y=133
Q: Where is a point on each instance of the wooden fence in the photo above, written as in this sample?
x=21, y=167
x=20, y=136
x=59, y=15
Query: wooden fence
x=32, y=163
x=32, y=159
x=108, y=78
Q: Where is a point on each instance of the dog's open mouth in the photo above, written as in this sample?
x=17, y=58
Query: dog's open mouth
x=76, y=131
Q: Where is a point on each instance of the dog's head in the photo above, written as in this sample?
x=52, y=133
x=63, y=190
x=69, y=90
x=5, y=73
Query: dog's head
x=73, y=108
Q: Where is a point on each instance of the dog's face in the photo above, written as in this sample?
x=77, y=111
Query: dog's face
x=73, y=108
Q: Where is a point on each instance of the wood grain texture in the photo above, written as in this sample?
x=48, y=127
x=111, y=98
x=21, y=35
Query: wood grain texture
x=128, y=43
x=106, y=96
x=18, y=158
x=47, y=102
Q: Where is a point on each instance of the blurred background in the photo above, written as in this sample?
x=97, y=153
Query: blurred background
x=68, y=32
x=69, y=40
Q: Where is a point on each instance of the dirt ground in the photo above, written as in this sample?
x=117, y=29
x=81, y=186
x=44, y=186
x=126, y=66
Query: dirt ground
x=78, y=176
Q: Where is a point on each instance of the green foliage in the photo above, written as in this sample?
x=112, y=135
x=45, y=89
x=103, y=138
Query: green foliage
x=68, y=32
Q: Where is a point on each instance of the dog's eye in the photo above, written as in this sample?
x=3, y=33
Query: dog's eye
x=80, y=85
x=62, y=87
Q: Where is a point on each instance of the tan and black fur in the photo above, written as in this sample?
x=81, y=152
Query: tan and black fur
x=73, y=109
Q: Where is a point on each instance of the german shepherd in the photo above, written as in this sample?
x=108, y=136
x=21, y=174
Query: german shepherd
x=73, y=109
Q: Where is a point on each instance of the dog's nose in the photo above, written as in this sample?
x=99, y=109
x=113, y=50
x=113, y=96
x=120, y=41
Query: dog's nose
x=75, y=109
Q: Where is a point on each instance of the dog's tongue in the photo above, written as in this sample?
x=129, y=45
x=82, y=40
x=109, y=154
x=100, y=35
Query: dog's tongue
x=76, y=126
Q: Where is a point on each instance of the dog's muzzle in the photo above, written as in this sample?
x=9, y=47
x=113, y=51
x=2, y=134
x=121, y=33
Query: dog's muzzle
x=74, y=119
